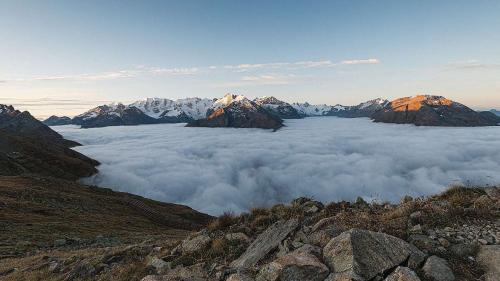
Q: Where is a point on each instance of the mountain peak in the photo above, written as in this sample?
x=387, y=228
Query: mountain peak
x=8, y=109
x=431, y=110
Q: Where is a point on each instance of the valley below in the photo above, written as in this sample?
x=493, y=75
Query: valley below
x=325, y=158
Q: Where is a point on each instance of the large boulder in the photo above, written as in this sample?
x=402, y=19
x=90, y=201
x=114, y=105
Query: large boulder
x=265, y=243
x=195, y=272
x=195, y=244
x=489, y=257
x=295, y=266
x=366, y=253
x=402, y=274
x=437, y=269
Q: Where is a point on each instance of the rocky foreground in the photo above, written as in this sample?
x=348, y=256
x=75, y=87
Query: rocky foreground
x=451, y=236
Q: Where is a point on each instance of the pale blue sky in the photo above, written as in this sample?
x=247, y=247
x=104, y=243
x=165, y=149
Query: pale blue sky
x=66, y=56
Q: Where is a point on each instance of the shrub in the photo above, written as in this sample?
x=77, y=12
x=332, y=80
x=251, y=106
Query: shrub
x=222, y=222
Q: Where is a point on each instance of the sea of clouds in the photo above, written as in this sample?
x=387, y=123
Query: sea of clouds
x=326, y=158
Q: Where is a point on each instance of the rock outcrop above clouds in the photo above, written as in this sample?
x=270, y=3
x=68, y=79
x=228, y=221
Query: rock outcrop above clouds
x=57, y=121
x=426, y=110
x=279, y=108
x=238, y=112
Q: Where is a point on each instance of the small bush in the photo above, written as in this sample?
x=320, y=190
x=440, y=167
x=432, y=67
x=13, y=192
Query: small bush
x=222, y=222
x=461, y=196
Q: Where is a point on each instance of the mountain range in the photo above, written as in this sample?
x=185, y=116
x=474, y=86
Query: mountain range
x=190, y=110
x=267, y=112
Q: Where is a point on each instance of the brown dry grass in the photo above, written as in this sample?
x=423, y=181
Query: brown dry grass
x=36, y=211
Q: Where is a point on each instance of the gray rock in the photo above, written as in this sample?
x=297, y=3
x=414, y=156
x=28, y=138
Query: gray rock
x=322, y=223
x=191, y=273
x=437, y=269
x=159, y=265
x=344, y=276
x=489, y=257
x=402, y=274
x=296, y=266
x=416, y=217
x=238, y=236
x=366, y=253
x=196, y=244
x=239, y=276
x=423, y=242
x=462, y=250
x=265, y=243
x=82, y=270
x=59, y=242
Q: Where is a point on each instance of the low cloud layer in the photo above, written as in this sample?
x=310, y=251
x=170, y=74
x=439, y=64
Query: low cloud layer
x=327, y=158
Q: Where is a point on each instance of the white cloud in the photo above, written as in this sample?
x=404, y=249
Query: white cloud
x=363, y=61
x=181, y=71
x=301, y=64
x=327, y=158
x=472, y=64
x=113, y=75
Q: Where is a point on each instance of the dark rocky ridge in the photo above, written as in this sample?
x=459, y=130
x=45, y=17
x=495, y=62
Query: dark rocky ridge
x=29, y=146
x=365, y=109
x=118, y=115
x=279, y=108
x=424, y=110
x=57, y=121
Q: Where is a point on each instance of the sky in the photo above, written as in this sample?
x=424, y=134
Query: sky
x=64, y=57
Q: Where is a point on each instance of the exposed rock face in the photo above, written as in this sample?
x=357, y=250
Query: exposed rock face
x=365, y=109
x=489, y=256
x=57, y=121
x=402, y=274
x=238, y=112
x=29, y=146
x=265, y=243
x=279, y=108
x=296, y=265
x=437, y=269
x=196, y=244
x=366, y=253
x=425, y=110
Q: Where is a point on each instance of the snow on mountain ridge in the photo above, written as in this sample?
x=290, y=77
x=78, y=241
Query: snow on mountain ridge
x=195, y=108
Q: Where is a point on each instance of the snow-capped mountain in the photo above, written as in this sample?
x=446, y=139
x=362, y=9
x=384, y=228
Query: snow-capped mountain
x=194, y=108
x=239, y=112
x=365, y=109
x=116, y=114
x=280, y=108
x=308, y=109
x=161, y=110
x=147, y=111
